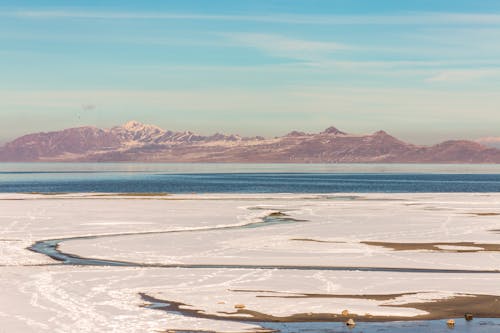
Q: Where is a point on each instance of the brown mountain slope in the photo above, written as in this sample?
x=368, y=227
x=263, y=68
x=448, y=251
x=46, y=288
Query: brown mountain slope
x=146, y=143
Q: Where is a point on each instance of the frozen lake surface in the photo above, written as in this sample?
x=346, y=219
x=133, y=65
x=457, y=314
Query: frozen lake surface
x=381, y=256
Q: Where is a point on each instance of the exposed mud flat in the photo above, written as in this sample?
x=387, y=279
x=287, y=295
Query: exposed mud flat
x=458, y=247
x=481, y=306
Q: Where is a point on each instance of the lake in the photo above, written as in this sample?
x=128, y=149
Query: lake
x=247, y=178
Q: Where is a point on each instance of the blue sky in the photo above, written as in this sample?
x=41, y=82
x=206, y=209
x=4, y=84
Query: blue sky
x=422, y=70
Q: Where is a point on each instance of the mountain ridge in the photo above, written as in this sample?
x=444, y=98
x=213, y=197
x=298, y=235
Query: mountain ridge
x=138, y=142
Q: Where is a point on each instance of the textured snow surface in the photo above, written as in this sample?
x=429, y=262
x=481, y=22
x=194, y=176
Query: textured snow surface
x=328, y=230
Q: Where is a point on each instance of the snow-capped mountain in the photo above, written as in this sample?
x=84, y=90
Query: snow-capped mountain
x=135, y=141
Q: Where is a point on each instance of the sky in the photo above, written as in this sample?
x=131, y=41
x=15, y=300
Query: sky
x=424, y=70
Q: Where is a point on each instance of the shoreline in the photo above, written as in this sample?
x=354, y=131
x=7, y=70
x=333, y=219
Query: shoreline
x=483, y=306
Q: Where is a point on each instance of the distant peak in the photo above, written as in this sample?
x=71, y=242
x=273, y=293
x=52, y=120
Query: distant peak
x=134, y=125
x=333, y=130
x=381, y=132
x=296, y=133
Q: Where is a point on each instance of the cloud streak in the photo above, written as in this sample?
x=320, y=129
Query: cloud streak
x=279, y=45
x=464, y=75
x=416, y=18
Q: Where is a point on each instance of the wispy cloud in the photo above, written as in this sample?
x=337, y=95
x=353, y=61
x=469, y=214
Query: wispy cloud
x=464, y=75
x=283, y=46
x=417, y=18
x=305, y=99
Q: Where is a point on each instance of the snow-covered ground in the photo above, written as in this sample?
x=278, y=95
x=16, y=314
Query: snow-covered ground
x=220, y=229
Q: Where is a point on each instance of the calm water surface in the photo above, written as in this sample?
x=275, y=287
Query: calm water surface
x=478, y=325
x=247, y=178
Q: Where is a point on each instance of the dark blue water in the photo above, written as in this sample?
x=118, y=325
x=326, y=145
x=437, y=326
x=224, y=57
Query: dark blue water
x=230, y=178
x=430, y=326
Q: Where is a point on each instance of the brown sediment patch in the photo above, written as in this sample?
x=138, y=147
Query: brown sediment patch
x=280, y=217
x=474, y=247
x=277, y=214
x=435, y=209
x=146, y=194
x=48, y=193
x=484, y=214
x=486, y=306
x=15, y=199
x=340, y=197
x=383, y=199
x=314, y=240
x=374, y=297
x=495, y=230
x=435, y=246
x=187, y=331
x=356, y=197
x=481, y=306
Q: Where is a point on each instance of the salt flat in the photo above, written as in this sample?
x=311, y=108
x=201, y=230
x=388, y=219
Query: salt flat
x=279, y=254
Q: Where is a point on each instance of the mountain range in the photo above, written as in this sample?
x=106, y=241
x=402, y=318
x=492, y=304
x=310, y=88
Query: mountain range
x=137, y=142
